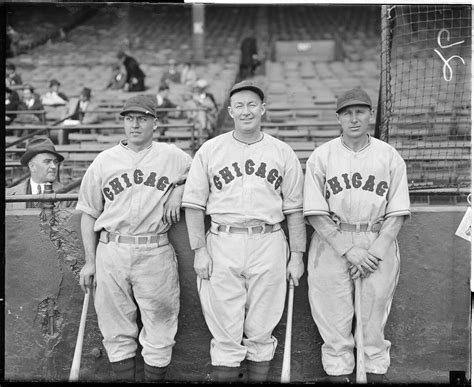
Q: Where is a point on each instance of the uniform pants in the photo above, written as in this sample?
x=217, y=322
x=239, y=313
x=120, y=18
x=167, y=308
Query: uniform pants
x=144, y=275
x=243, y=301
x=331, y=297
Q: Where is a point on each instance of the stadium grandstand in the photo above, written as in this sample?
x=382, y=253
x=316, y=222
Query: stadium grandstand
x=414, y=61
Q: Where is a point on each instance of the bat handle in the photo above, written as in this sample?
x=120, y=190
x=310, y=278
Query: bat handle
x=361, y=376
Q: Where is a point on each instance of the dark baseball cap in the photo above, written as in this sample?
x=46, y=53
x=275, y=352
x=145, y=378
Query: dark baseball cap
x=352, y=97
x=140, y=103
x=38, y=145
x=247, y=85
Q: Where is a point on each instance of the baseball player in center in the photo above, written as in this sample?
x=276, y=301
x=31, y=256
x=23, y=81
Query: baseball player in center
x=247, y=181
x=356, y=198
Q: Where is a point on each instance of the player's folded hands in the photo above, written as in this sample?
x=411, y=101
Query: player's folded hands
x=360, y=258
x=295, y=268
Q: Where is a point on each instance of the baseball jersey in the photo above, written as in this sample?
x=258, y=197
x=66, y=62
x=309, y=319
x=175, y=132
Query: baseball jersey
x=126, y=190
x=364, y=186
x=241, y=184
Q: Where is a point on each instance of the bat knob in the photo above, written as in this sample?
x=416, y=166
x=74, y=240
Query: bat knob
x=96, y=352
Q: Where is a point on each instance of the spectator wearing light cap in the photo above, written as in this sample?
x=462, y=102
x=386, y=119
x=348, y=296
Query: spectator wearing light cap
x=43, y=162
x=130, y=196
x=54, y=97
x=205, y=120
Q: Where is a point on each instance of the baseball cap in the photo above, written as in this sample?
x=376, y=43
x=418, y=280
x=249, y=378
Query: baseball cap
x=39, y=145
x=140, y=103
x=355, y=96
x=247, y=85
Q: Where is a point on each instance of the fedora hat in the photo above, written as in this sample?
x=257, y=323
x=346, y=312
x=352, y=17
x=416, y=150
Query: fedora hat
x=39, y=145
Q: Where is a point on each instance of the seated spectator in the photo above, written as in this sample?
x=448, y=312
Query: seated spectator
x=249, y=60
x=172, y=75
x=54, y=97
x=30, y=101
x=118, y=78
x=43, y=163
x=201, y=98
x=188, y=74
x=135, y=79
x=164, y=102
x=81, y=110
x=12, y=77
x=12, y=100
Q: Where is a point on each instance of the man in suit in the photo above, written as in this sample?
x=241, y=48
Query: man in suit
x=43, y=162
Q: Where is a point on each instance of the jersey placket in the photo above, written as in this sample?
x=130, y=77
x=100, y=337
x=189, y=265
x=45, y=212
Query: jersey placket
x=246, y=198
x=135, y=203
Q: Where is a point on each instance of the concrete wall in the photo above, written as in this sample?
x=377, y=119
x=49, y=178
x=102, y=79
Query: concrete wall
x=428, y=325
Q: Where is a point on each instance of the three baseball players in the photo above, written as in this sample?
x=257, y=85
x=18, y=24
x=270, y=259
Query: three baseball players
x=130, y=195
x=354, y=194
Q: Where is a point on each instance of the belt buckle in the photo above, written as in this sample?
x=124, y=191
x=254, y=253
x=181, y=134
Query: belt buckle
x=106, y=236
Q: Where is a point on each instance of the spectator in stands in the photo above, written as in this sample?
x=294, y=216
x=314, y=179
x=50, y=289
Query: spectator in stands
x=249, y=57
x=119, y=77
x=12, y=100
x=188, y=74
x=13, y=42
x=30, y=101
x=54, y=97
x=163, y=102
x=81, y=110
x=172, y=75
x=135, y=80
x=43, y=163
x=12, y=77
x=201, y=98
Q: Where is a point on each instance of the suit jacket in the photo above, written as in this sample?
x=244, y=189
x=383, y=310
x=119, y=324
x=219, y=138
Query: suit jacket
x=87, y=117
x=24, y=188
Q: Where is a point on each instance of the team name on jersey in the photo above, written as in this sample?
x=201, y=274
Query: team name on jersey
x=337, y=184
x=120, y=183
x=228, y=174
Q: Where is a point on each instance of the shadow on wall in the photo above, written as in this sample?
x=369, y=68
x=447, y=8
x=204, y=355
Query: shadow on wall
x=428, y=325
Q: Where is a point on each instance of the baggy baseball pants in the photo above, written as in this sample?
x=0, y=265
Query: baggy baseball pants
x=244, y=299
x=147, y=275
x=331, y=297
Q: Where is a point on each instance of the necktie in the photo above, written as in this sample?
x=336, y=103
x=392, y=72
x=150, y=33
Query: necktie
x=39, y=189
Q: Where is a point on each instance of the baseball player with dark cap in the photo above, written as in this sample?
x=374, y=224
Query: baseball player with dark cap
x=247, y=182
x=356, y=198
x=130, y=196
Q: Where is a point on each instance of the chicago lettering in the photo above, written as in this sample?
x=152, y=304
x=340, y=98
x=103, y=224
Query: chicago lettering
x=337, y=184
x=119, y=184
x=230, y=173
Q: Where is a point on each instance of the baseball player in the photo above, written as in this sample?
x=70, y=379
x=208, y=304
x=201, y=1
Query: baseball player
x=130, y=195
x=356, y=198
x=247, y=181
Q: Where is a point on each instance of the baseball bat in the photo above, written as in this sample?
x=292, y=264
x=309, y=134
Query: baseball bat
x=286, y=368
x=361, y=376
x=76, y=361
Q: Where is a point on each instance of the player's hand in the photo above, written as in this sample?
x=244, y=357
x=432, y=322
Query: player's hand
x=172, y=207
x=87, y=276
x=355, y=273
x=202, y=263
x=360, y=258
x=295, y=268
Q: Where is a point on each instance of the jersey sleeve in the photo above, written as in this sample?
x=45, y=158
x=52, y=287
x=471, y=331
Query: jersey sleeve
x=196, y=190
x=398, y=198
x=184, y=161
x=314, y=202
x=91, y=200
x=292, y=185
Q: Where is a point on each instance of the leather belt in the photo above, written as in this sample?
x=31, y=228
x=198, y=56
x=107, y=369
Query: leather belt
x=106, y=237
x=360, y=227
x=262, y=229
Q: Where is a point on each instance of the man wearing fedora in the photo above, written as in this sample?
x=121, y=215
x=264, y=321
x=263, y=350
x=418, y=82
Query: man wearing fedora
x=43, y=162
